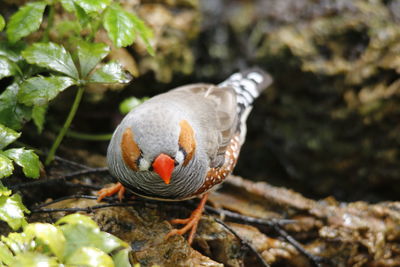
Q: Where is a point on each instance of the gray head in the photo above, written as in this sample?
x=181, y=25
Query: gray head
x=154, y=157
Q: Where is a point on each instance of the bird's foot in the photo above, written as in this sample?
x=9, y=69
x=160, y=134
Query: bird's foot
x=191, y=222
x=109, y=191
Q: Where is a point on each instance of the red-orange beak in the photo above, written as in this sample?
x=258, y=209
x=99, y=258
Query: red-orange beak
x=164, y=165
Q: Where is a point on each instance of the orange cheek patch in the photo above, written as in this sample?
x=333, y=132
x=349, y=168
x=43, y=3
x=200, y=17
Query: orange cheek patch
x=130, y=150
x=187, y=141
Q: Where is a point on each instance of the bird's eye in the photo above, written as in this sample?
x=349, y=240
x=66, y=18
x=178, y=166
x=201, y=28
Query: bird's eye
x=180, y=156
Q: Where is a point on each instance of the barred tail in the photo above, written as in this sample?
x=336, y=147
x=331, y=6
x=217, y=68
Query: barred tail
x=248, y=85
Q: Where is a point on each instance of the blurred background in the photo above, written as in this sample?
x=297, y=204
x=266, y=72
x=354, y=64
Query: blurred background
x=328, y=126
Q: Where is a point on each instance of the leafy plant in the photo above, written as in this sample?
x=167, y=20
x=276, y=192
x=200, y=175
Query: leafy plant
x=44, y=69
x=74, y=240
x=38, y=71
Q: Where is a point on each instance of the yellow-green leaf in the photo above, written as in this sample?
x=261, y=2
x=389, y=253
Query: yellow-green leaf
x=121, y=258
x=25, y=21
x=49, y=235
x=12, y=211
x=77, y=218
x=51, y=56
x=27, y=159
x=40, y=90
x=7, y=136
x=6, y=166
x=12, y=113
x=130, y=103
x=4, y=191
x=2, y=23
x=7, y=67
x=6, y=255
x=38, y=116
x=34, y=259
x=90, y=54
x=90, y=257
x=112, y=72
x=93, y=5
x=119, y=26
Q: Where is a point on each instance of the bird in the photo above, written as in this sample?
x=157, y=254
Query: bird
x=181, y=144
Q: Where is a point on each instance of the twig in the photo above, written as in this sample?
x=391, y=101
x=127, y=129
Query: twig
x=244, y=242
x=57, y=179
x=252, y=220
x=87, y=209
x=72, y=163
x=315, y=260
x=275, y=224
x=63, y=198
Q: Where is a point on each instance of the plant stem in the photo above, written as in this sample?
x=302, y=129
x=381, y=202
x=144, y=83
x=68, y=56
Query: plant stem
x=50, y=21
x=66, y=125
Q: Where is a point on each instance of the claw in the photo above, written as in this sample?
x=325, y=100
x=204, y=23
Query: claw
x=191, y=222
x=109, y=191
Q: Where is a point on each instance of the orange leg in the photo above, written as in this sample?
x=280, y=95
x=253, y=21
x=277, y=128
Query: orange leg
x=191, y=222
x=106, y=192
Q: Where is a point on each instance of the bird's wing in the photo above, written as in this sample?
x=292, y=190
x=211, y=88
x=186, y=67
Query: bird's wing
x=215, y=109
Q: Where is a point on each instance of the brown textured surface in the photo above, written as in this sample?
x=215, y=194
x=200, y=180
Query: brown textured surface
x=345, y=234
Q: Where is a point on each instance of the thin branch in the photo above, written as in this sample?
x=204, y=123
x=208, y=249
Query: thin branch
x=72, y=163
x=63, y=198
x=244, y=242
x=87, y=209
x=315, y=260
x=251, y=220
x=57, y=179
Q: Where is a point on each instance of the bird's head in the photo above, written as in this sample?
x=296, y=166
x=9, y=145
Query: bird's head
x=157, y=146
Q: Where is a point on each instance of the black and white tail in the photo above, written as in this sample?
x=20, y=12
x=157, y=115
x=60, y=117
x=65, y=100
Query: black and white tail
x=248, y=85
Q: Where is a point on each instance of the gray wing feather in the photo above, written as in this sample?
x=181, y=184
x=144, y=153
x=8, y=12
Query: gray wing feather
x=215, y=109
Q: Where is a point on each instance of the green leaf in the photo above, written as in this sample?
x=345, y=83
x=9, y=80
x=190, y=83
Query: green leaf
x=90, y=257
x=38, y=116
x=6, y=255
x=25, y=21
x=77, y=218
x=12, y=51
x=7, y=68
x=49, y=235
x=4, y=191
x=130, y=103
x=6, y=166
x=2, y=23
x=27, y=159
x=7, y=136
x=90, y=54
x=12, y=211
x=18, y=242
x=144, y=32
x=68, y=5
x=78, y=235
x=93, y=5
x=121, y=258
x=112, y=72
x=82, y=16
x=119, y=26
x=52, y=56
x=34, y=259
x=40, y=90
x=12, y=113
